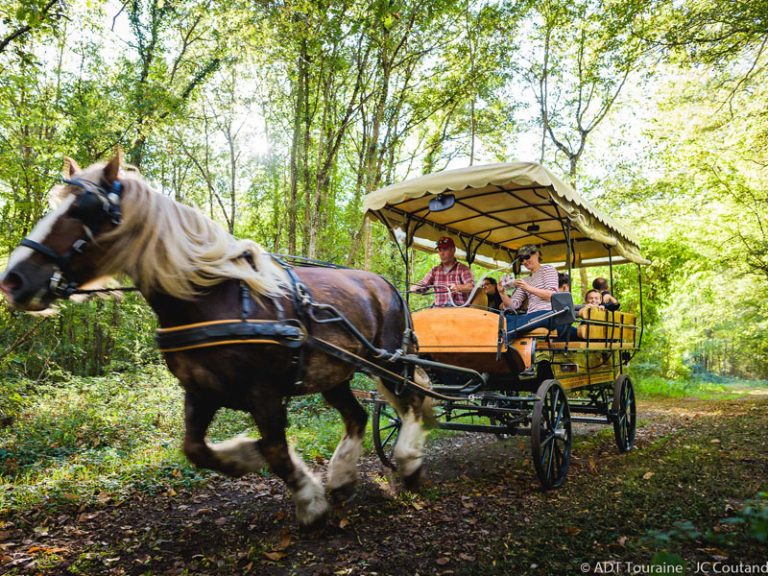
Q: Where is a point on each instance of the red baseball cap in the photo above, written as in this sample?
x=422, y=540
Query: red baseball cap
x=445, y=242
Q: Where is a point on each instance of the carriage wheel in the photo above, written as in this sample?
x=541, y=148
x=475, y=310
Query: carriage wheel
x=386, y=430
x=625, y=413
x=551, y=434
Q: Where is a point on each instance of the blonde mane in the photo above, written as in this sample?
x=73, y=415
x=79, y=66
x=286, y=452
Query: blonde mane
x=168, y=247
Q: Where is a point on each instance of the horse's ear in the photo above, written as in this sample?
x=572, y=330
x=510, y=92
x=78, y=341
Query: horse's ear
x=112, y=168
x=70, y=168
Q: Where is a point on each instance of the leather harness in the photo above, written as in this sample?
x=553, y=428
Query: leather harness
x=97, y=203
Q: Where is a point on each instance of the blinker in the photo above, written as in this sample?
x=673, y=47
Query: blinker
x=86, y=206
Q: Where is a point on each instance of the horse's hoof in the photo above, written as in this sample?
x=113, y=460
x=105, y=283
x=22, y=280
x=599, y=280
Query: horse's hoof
x=343, y=494
x=413, y=481
x=315, y=528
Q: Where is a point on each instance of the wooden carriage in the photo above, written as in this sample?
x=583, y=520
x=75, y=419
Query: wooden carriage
x=530, y=383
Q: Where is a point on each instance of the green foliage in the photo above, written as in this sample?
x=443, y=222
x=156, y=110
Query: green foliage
x=755, y=514
x=76, y=440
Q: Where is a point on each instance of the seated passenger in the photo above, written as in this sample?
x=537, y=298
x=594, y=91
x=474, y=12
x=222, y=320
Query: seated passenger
x=535, y=291
x=607, y=299
x=593, y=299
x=452, y=279
x=564, y=282
x=491, y=289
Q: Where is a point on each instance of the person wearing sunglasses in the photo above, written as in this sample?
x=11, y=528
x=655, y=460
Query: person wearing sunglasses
x=533, y=294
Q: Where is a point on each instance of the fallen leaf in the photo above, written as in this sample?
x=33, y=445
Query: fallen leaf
x=285, y=541
x=343, y=523
x=622, y=541
x=592, y=465
x=443, y=560
x=572, y=530
x=275, y=556
x=416, y=506
x=5, y=534
x=466, y=557
x=648, y=475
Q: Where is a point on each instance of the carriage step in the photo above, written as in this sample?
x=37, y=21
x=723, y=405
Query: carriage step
x=590, y=420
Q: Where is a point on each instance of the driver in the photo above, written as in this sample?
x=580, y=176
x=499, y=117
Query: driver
x=450, y=274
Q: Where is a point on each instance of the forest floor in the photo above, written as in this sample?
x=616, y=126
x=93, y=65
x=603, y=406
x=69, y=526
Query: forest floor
x=690, y=497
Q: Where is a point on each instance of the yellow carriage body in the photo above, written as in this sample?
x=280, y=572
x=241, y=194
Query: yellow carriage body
x=471, y=338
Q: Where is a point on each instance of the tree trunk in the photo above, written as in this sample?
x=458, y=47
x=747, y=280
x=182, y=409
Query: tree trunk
x=296, y=148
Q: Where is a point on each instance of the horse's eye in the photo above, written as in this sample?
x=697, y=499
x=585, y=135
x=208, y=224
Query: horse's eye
x=86, y=206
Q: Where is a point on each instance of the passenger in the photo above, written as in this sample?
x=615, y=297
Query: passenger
x=593, y=299
x=491, y=289
x=449, y=274
x=564, y=282
x=607, y=299
x=535, y=291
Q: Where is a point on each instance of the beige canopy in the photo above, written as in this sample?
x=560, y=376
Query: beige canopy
x=500, y=207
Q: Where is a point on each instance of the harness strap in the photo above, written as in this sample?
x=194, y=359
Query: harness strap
x=221, y=332
x=301, y=300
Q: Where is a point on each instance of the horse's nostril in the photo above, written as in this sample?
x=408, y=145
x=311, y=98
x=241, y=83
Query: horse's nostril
x=12, y=282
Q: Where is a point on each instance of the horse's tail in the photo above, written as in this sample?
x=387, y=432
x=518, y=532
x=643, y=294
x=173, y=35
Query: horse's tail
x=427, y=406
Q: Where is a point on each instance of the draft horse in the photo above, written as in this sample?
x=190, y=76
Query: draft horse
x=192, y=273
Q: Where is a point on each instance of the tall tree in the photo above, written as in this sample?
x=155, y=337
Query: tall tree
x=584, y=55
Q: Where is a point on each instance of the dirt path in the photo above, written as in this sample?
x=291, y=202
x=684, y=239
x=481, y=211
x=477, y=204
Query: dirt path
x=482, y=512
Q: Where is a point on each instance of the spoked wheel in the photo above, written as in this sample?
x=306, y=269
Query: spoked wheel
x=551, y=434
x=625, y=413
x=386, y=429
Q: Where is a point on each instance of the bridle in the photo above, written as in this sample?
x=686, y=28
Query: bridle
x=92, y=206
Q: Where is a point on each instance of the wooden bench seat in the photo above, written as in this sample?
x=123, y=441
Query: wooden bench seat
x=607, y=327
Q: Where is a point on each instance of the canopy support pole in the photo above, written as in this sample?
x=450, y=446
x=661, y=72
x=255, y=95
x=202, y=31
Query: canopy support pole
x=568, y=255
x=610, y=269
x=642, y=315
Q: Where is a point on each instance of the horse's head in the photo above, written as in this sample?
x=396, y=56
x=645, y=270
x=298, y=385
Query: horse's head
x=63, y=251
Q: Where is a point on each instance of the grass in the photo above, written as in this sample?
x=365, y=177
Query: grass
x=656, y=386
x=87, y=439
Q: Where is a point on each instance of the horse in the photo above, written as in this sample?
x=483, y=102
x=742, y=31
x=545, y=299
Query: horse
x=106, y=221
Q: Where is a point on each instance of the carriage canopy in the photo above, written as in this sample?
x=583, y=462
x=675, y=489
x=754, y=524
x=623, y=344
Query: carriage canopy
x=497, y=208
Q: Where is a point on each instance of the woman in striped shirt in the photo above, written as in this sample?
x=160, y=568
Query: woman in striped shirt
x=536, y=291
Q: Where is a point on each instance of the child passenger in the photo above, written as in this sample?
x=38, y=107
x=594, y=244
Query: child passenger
x=606, y=298
x=593, y=299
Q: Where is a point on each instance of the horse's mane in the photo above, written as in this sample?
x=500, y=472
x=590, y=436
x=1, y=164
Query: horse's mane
x=168, y=247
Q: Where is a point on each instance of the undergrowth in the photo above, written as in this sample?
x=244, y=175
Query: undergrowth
x=706, y=389
x=66, y=443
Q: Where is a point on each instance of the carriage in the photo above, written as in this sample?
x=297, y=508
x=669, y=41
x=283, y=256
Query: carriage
x=528, y=383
